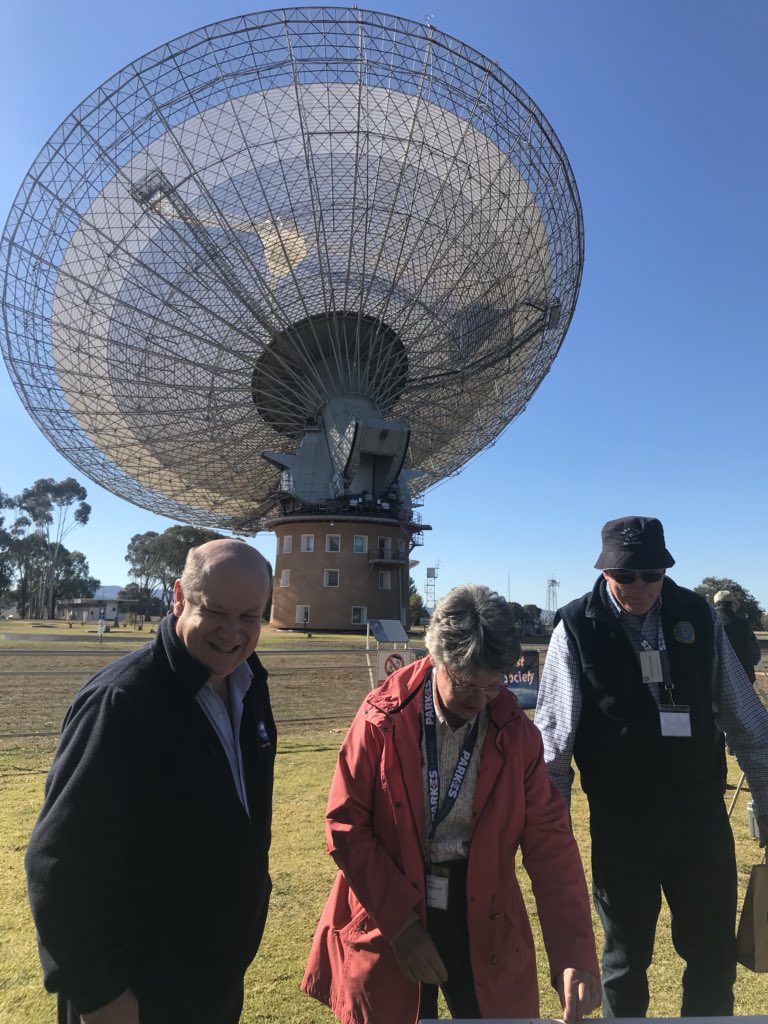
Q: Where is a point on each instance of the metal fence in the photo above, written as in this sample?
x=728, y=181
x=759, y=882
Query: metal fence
x=309, y=687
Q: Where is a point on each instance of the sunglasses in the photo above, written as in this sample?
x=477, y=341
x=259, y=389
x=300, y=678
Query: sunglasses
x=625, y=576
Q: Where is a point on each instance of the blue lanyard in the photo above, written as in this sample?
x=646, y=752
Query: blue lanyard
x=440, y=811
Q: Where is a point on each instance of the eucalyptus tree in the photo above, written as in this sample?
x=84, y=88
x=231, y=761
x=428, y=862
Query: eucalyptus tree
x=156, y=560
x=49, y=511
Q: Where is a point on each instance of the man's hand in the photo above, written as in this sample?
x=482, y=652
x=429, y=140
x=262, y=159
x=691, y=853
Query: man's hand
x=417, y=955
x=123, y=1010
x=762, y=828
x=580, y=993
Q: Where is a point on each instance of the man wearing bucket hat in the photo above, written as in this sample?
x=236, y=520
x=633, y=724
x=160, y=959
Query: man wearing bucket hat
x=639, y=686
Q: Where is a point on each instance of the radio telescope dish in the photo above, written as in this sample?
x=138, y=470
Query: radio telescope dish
x=297, y=257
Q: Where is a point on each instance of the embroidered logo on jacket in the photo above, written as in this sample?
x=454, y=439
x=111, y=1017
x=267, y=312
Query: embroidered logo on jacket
x=684, y=632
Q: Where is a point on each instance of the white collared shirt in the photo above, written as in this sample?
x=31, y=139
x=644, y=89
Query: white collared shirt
x=226, y=721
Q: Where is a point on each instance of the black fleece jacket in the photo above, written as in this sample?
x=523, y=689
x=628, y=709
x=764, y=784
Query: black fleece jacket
x=144, y=870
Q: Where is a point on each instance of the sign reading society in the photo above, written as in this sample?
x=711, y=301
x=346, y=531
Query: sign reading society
x=524, y=681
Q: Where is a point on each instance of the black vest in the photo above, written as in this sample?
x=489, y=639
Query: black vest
x=619, y=749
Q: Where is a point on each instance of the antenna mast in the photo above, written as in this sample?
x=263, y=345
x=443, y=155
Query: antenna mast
x=429, y=586
x=552, y=588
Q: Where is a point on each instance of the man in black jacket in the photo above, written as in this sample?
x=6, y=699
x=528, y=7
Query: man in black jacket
x=148, y=866
x=743, y=640
x=639, y=686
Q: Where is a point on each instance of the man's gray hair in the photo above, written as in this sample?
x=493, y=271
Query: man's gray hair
x=198, y=562
x=472, y=629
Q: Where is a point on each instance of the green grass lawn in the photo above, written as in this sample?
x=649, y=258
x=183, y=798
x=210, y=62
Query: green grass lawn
x=302, y=875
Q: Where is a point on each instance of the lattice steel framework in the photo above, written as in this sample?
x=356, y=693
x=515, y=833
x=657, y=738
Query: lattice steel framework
x=553, y=587
x=267, y=213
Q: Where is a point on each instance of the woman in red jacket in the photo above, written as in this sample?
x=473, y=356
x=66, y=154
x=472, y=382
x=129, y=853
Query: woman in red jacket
x=439, y=782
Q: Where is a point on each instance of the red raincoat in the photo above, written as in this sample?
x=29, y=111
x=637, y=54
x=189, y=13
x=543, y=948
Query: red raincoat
x=374, y=828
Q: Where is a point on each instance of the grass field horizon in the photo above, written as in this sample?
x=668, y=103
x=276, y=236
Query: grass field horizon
x=330, y=686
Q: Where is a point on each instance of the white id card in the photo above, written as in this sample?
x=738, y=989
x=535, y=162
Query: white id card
x=675, y=721
x=650, y=666
x=437, y=892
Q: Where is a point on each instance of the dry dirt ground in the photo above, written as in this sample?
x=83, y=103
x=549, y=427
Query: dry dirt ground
x=311, y=681
x=315, y=680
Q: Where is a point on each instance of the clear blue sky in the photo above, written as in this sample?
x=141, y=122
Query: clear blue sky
x=656, y=404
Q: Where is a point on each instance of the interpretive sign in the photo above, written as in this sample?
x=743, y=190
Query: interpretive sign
x=524, y=681
x=388, y=631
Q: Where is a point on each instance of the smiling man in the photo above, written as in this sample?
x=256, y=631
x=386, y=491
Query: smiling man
x=148, y=866
x=639, y=685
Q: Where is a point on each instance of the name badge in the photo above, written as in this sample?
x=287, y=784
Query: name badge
x=437, y=892
x=650, y=666
x=675, y=721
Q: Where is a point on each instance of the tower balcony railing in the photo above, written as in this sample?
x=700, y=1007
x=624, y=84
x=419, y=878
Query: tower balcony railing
x=387, y=556
x=378, y=508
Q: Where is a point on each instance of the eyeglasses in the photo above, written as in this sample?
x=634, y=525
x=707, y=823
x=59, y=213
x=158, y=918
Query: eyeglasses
x=467, y=687
x=625, y=576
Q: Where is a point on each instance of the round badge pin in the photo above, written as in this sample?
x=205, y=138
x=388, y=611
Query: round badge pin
x=684, y=632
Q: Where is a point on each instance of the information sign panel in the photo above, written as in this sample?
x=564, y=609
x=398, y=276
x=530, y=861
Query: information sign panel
x=524, y=681
x=388, y=631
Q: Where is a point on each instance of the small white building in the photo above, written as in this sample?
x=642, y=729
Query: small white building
x=88, y=609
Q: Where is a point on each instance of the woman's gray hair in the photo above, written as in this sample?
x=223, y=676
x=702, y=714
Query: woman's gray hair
x=472, y=629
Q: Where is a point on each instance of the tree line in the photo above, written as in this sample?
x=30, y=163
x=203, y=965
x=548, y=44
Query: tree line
x=37, y=571
x=528, y=616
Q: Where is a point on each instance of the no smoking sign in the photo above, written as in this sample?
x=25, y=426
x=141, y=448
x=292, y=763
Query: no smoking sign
x=391, y=661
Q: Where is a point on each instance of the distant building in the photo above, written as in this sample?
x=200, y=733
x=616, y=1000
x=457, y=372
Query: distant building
x=86, y=609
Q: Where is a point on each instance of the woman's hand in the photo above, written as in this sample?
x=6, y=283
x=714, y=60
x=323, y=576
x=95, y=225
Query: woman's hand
x=580, y=993
x=417, y=955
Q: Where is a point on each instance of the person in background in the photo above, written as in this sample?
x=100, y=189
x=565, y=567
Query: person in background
x=639, y=685
x=439, y=782
x=148, y=866
x=743, y=641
